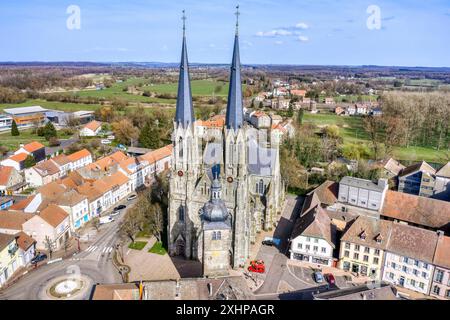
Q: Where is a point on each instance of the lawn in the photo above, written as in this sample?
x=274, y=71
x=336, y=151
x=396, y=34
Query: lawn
x=158, y=248
x=26, y=136
x=352, y=131
x=137, y=245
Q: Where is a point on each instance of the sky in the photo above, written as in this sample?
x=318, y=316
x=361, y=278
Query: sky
x=303, y=32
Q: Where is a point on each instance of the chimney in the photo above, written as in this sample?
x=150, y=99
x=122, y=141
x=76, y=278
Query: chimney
x=383, y=183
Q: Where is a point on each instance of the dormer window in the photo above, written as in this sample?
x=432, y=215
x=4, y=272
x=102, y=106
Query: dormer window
x=362, y=235
x=379, y=238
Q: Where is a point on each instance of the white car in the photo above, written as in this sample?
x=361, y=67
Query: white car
x=105, y=220
x=132, y=197
x=105, y=141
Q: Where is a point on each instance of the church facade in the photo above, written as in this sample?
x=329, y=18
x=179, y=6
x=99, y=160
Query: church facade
x=222, y=191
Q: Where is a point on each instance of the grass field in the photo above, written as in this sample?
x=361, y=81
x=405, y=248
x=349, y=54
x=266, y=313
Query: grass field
x=158, y=249
x=352, y=131
x=63, y=106
x=137, y=245
x=26, y=136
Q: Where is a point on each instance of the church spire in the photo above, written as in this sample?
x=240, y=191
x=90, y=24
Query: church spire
x=235, y=113
x=185, y=112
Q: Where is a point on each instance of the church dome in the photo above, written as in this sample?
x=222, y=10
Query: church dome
x=215, y=209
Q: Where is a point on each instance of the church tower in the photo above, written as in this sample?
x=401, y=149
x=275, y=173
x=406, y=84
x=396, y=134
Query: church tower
x=235, y=157
x=185, y=164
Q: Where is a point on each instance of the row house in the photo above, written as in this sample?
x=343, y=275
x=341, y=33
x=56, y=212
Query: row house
x=119, y=185
x=63, y=163
x=103, y=166
x=363, y=246
x=10, y=180
x=440, y=287
x=42, y=173
x=79, y=159
x=409, y=257
x=16, y=161
x=313, y=238
x=9, y=257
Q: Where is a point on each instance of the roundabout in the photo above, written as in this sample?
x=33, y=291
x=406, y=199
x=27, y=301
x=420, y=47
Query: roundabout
x=67, y=287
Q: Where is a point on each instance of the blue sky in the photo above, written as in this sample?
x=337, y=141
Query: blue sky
x=328, y=32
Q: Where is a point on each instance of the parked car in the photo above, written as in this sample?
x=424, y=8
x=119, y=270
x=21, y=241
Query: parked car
x=115, y=213
x=121, y=207
x=105, y=141
x=38, y=258
x=318, y=277
x=257, y=266
x=132, y=197
x=268, y=243
x=105, y=220
x=330, y=279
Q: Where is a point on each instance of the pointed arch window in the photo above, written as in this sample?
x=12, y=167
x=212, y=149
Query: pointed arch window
x=261, y=187
x=180, y=147
x=181, y=213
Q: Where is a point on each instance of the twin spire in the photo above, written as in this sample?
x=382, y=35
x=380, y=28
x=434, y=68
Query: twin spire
x=185, y=112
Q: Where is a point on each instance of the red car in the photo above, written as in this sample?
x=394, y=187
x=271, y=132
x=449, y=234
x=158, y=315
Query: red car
x=330, y=279
x=257, y=266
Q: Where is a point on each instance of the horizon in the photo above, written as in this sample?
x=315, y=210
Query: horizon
x=320, y=33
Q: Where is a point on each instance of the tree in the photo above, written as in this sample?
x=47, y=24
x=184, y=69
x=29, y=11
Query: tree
x=149, y=137
x=96, y=223
x=49, y=131
x=125, y=132
x=131, y=224
x=300, y=114
x=14, y=130
x=49, y=245
x=67, y=244
x=29, y=161
x=155, y=220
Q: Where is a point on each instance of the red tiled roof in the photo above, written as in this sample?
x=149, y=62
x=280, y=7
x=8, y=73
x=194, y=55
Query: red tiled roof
x=33, y=146
x=5, y=173
x=24, y=241
x=53, y=215
x=13, y=220
x=79, y=155
x=18, y=157
x=93, y=125
x=442, y=254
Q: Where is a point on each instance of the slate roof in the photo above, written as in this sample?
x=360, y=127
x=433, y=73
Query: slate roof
x=361, y=183
x=421, y=166
x=366, y=231
x=235, y=112
x=444, y=171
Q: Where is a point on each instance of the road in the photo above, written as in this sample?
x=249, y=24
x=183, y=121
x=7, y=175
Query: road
x=93, y=261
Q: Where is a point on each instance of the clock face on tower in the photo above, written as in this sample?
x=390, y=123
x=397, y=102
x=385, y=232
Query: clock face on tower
x=180, y=173
x=230, y=179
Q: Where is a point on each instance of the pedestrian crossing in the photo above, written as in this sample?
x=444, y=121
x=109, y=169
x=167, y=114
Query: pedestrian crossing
x=100, y=249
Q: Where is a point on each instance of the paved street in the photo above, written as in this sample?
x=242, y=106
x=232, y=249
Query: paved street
x=94, y=261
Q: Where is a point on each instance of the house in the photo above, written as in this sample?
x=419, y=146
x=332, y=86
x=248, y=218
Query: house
x=36, y=149
x=49, y=226
x=11, y=222
x=339, y=110
x=298, y=93
x=27, y=248
x=76, y=205
x=409, y=257
x=119, y=184
x=96, y=197
x=16, y=161
x=329, y=101
x=10, y=179
x=350, y=110
x=276, y=119
x=9, y=257
x=391, y=168
x=362, y=193
x=27, y=116
x=417, y=211
x=280, y=91
x=260, y=119
x=281, y=104
x=362, y=246
x=440, y=287
x=83, y=116
x=362, y=109
x=42, y=173
x=79, y=159
x=376, y=112
x=417, y=179
x=6, y=202
x=103, y=166
x=212, y=127
x=441, y=189
x=136, y=169
x=63, y=163
x=91, y=129
x=313, y=238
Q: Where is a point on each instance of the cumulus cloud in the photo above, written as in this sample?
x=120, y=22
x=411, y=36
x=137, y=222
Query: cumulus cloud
x=303, y=38
x=274, y=33
x=302, y=25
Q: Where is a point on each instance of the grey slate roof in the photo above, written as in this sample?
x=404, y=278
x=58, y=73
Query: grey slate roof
x=185, y=112
x=361, y=183
x=235, y=113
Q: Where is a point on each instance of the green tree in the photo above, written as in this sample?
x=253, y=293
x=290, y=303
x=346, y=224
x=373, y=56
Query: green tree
x=29, y=161
x=49, y=131
x=149, y=136
x=300, y=114
x=14, y=129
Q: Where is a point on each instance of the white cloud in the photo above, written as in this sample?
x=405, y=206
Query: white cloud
x=303, y=38
x=212, y=45
x=274, y=33
x=279, y=42
x=302, y=25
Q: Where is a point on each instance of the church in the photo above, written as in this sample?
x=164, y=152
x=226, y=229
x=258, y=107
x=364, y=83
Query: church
x=225, y=189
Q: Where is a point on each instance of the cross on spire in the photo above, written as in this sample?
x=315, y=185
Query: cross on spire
x=237, y=19
x=184, y=22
